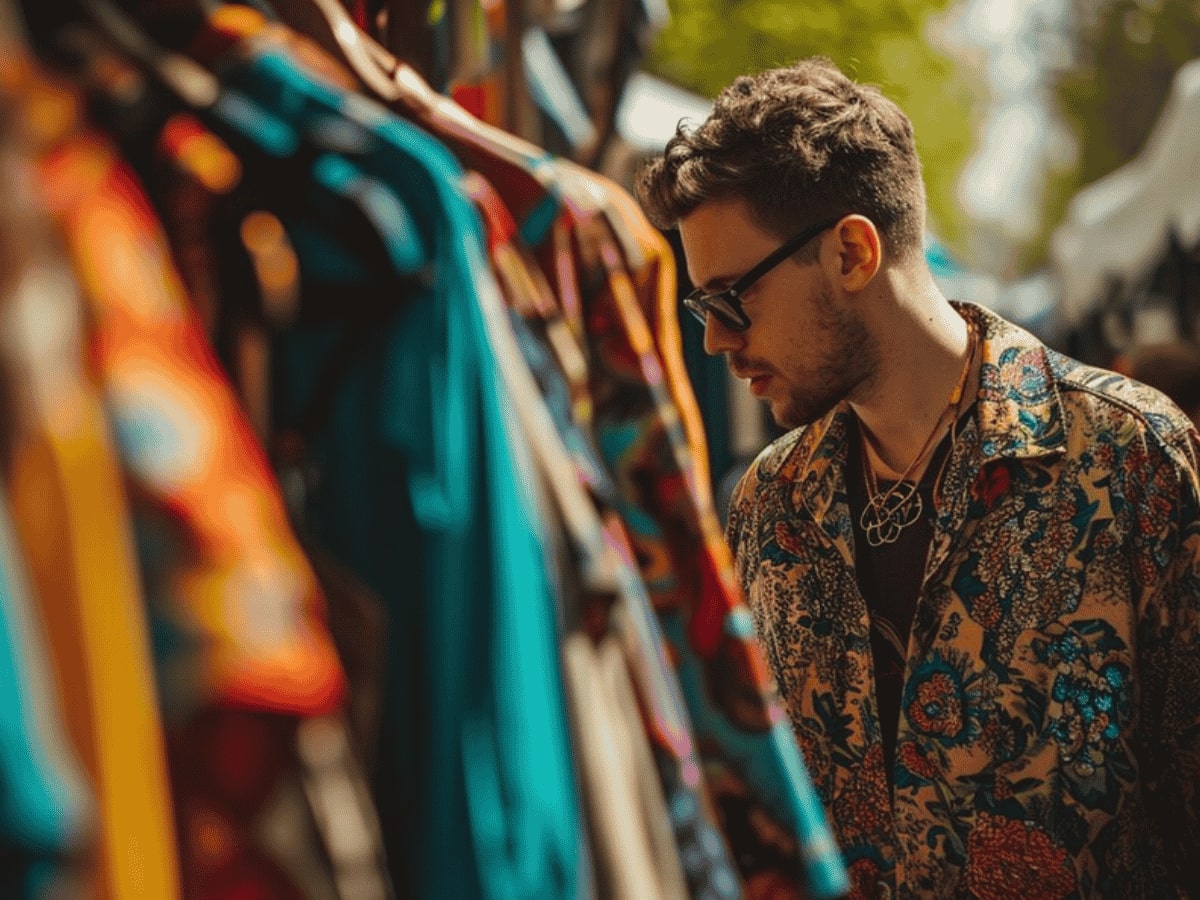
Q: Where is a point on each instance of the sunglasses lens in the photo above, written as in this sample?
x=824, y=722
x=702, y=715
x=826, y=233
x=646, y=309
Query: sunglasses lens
x=731, y=316
x=696, y=307
x=700, y=305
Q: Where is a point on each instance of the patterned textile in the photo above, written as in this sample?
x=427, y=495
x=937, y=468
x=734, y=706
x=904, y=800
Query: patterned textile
x=1049, y=736
x=608, y=571
x=242, y=597
x=244, y=654
x=653, y=278
x=767, y=807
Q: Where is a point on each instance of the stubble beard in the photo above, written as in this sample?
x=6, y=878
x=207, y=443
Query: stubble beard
x=850, y=359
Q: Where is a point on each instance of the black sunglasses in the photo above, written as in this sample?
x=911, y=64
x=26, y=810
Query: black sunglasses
x=726, y=305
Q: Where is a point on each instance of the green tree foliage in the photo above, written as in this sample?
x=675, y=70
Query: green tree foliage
x=710, y=42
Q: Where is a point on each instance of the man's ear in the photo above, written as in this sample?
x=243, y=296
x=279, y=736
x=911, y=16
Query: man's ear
x=860, y=252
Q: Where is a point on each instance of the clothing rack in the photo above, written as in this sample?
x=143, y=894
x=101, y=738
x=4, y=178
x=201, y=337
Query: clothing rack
x=361, y=542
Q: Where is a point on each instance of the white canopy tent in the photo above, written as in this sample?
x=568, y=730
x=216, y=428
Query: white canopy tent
x=650, y=109
x=1119, y=226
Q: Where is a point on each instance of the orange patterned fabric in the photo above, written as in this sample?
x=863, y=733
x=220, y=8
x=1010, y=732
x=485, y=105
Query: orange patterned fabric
x=766, y=805
x=245, y=656
x=243, y=591
x=654, y=279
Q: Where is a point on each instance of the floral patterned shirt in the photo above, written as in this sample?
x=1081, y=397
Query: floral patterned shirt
x=1049, y=734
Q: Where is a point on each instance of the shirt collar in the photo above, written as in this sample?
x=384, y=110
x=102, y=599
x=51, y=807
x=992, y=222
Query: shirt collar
x=1019, y=412
x=1019, y=408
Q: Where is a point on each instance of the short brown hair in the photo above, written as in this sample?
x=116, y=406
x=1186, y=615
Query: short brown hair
x=800, y=144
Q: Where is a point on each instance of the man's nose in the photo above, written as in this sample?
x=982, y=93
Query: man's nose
x=720, y=338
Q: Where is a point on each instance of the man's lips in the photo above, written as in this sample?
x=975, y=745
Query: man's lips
x=744, y=373
x=758, y=383
x=758, y=380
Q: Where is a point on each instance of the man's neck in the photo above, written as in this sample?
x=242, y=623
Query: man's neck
x=924, y=349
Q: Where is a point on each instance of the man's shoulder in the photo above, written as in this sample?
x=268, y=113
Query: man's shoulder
x=1098, y=393
x=1094, y=398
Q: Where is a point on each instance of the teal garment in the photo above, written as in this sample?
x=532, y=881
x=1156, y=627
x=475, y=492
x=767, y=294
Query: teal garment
x=45, y=805
x=417, y=486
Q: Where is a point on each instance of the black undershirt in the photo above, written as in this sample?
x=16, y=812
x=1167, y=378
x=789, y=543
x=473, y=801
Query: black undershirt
x=889, y=577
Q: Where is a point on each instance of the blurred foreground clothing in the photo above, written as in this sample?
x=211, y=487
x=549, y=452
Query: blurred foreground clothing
x=409, y=504
x=71, y=521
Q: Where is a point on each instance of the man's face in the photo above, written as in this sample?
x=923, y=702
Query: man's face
x=806, y=348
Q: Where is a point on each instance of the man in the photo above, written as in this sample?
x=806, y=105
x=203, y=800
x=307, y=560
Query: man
x=974, y=564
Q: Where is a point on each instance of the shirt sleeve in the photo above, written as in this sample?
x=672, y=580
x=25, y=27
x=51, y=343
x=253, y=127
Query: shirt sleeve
x=1170, y=673
x=737, y=533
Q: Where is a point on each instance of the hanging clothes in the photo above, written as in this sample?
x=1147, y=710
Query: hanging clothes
x=46, y=816
x=69, y=512
x=244, y=654
x=652, y=274
x=47, y=810
x=246, y=600
x=550, y=203
x=756, y=769
x=608, y=578
x=418, y=471
x=44, y=820
x=431, y=443
x=601, y=544
x=611, y=765
x=242, y=276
